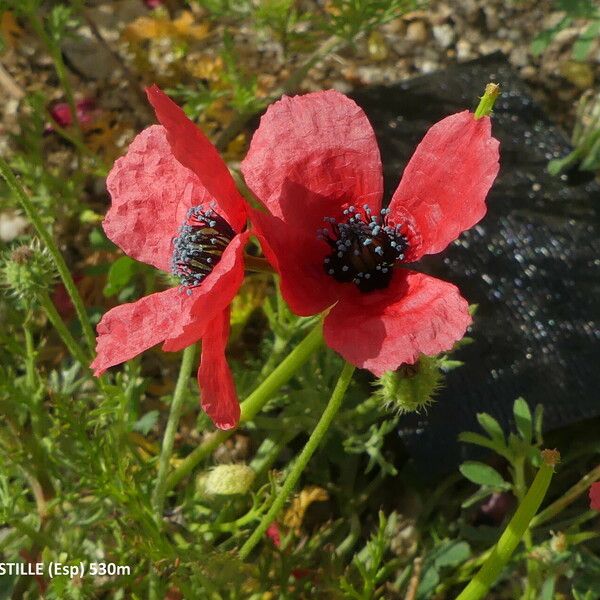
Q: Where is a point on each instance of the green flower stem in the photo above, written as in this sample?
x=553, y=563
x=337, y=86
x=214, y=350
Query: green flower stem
x=514, y=532
x=59, y=65
x=30, y=354
x=185, y=371
x=253, y=403
x=59, y=261
x=258, y=264
x=65, y=335
x=299, y=465
x=581, y=487
x=487, y=101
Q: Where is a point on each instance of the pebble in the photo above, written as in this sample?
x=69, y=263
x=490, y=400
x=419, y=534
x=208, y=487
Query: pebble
x=417, y=32
x=444, y=35
x=12, y=225
x=464, y=50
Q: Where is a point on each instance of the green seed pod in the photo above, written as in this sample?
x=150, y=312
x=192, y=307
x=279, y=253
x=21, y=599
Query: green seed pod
x=28, y=270
x=412, y=387
x=227, y=480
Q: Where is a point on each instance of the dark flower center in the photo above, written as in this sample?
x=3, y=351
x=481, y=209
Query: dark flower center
x=365, y=248
x=199, y=246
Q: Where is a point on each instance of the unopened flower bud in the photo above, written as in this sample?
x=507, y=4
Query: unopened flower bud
x=227, y=480
x=27, y=271
x=412, y=387
x=559, y=542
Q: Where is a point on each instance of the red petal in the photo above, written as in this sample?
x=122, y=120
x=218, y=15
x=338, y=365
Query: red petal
x=379, y=331
x=213, y=296
x=218, y=396
x=595, y=496
x=447, y=179
x=151, y=193
x=298, y=258
x=194, y=151
x=310, y=155
x=127, y=330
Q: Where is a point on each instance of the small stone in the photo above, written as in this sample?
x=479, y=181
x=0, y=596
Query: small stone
x=565, y=36
x=519, y=57
x=377, y=46
x=528, y=72
x=464, y=50
x=417, y=32
x=12, y=225
x=491, y=17
x=579, y=74
x=426, y=66
x=444, y=35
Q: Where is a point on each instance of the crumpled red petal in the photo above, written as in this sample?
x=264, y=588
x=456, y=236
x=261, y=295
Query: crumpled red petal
x=194, y=151
x=217, y=389
x=127, y=330
x=446, y=181
x=213, y=296
x=310, y=155
x=417, y=314
x=595, y=496
x=151, y=193
x=298, y=258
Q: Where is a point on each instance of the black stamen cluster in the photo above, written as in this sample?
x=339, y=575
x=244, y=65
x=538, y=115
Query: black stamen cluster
x=365, y=248
x=199, y=246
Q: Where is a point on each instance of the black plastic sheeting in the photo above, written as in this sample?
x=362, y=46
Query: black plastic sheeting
x=531, y=264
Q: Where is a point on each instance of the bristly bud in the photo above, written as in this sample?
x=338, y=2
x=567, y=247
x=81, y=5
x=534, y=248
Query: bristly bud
x=228, y=480
x=551, y=457
x=412, y=387
x=28, y=270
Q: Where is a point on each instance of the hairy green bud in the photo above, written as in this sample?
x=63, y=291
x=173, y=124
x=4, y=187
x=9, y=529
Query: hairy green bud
x=28, y=270
x=228, y=480
x=412, y=387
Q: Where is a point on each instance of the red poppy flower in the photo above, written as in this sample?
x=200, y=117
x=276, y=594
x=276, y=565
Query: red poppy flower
x=315, y=165
x=86, y=112
x=595, y=496
x=274, y=534
x=175, y=206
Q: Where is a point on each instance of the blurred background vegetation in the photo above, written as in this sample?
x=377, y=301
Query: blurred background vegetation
x=77, y=466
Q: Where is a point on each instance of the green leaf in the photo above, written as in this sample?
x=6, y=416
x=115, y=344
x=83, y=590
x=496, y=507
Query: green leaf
x=452, y=555
x=547, y=592
x=523, y=419
x=119, y=275
x=481, y=494
x=146, y=423
x=584, y=43
x=482, y=474
x=538, y=420
x=99, y=241
x=470, y=437
x=491, y=427
x=542, y=40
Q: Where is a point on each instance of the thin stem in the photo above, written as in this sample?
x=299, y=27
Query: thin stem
x=520, y=488
x=514, y=532
x=30, y=355
x=59, y=261
x=314, y=440
x=258, y=264
x=59, y=66
x=581, y=487
x=160, y=490
x=253, y=403
x=65, y=335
